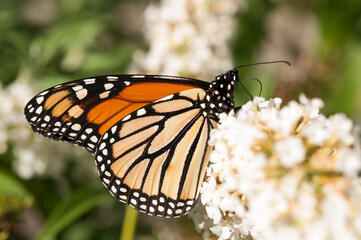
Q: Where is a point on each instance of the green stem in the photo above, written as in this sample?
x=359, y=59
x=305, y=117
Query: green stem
x=129, y=223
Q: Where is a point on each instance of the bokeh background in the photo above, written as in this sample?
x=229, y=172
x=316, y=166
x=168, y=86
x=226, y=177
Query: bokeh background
x=50, y=190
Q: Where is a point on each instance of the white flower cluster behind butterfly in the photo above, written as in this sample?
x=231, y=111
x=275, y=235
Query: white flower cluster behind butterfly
x=189, y=37
x=282, y=173
x=33, y=155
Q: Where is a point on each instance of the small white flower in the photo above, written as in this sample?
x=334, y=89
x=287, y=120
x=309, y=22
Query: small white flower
x=305, y=203
x=188, y=36
x=317, y=131
x=222, y=231
x=348, y=162
x=291, y=151
x=311, y=107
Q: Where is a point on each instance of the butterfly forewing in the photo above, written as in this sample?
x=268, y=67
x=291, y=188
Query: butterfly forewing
x=81, y=111
x=154, y=160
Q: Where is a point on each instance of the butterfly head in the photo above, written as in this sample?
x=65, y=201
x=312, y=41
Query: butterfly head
x=221, y=92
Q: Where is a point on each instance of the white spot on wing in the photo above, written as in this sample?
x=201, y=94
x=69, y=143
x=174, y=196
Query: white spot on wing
x=108, y=86
x=39, y=100
x=82, y=94
x=126, y=117
x=88, y=130
x=104, y=94
x=138, y=76
x=165, y=98
x=39, y=110
x=102, y=146
x=141, y=112
x=94, y=139
x=43, y=93
x=77, y=88
x=105, y=136
x=76, y=127
x=89, y=81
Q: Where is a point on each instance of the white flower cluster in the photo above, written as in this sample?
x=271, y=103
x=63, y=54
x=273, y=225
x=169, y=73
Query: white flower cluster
x=188, y=37
x=34, y=154
x=282, y=173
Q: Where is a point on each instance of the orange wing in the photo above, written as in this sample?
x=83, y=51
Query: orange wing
x=81, y=111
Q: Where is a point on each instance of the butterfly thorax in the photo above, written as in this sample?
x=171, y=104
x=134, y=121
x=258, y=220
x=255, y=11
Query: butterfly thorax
x=219, y=97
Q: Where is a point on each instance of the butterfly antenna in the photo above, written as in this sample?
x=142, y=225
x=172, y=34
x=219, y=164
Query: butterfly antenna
x=260, y=63
x=245, y=89
x=254, y=79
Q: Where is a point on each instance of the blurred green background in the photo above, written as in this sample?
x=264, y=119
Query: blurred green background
x=45, y=42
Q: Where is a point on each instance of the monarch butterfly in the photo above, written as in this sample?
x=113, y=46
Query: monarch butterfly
x=148, y=133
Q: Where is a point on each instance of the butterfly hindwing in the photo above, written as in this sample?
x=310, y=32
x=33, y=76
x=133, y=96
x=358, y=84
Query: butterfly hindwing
x=155, y=158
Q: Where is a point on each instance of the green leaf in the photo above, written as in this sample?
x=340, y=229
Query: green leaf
x=347, y=90
x=74, y=33
x=70, y=209
x=10, y=186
